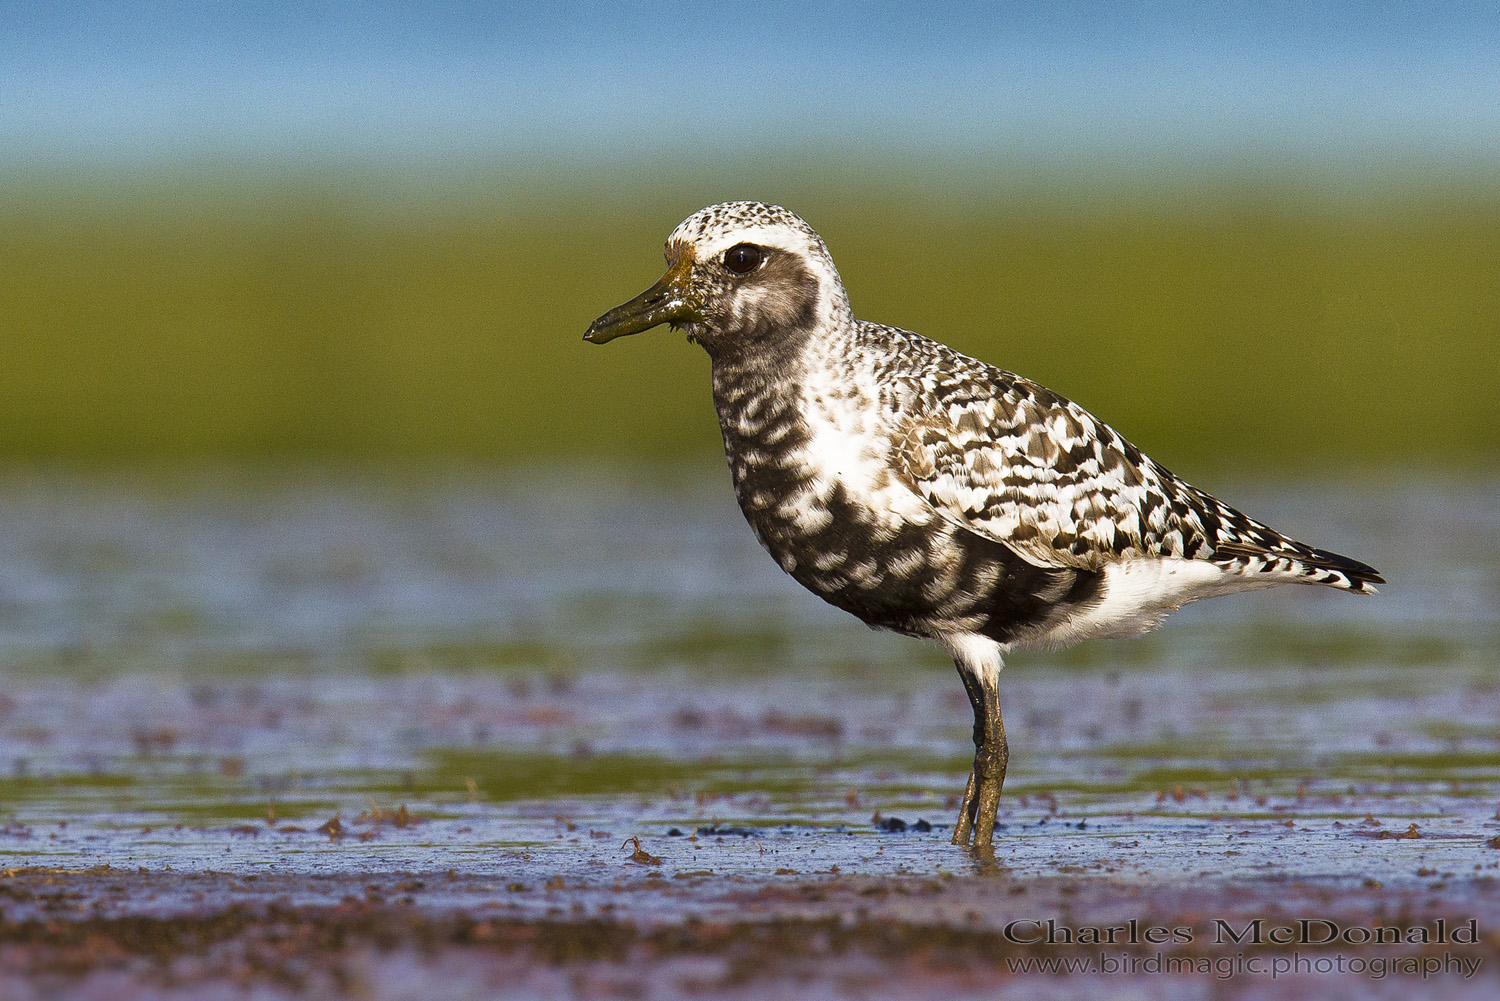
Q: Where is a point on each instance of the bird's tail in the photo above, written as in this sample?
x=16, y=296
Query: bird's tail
x=1309, y=565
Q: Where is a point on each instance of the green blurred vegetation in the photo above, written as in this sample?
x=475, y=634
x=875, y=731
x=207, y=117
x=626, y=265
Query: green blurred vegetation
x=314, y=318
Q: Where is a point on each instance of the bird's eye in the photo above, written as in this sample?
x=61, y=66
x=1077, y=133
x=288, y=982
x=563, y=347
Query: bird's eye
x=743, y=258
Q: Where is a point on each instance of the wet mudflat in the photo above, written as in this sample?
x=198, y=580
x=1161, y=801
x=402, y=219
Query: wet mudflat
x=478, y=733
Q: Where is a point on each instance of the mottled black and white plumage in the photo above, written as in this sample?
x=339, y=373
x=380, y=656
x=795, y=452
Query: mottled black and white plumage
x=925, y=491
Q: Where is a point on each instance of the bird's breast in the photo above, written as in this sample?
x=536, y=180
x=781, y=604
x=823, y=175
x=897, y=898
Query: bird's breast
x=799, y=455
x=813, y=478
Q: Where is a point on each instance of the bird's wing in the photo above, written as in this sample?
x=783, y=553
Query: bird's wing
x=1013, y=461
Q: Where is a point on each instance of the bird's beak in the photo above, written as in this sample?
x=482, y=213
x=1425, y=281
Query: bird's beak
x=670, y=300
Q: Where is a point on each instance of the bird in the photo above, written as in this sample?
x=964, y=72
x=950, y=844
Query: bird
x=932, y=494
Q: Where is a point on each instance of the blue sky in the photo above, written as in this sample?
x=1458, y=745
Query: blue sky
x=596, y=83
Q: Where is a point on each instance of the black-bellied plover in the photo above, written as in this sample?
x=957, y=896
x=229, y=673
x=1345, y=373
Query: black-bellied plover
x=929, y=493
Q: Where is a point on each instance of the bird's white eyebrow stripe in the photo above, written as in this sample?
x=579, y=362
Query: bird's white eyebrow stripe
x=762, y=236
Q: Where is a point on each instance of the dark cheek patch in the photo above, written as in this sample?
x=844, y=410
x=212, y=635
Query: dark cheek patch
x=782, y=294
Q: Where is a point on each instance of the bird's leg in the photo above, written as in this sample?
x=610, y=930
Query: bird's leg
x=976, y=815
x=991, y=757
x=965, y=825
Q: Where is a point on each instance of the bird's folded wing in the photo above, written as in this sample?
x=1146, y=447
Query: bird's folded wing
x=1014, y=462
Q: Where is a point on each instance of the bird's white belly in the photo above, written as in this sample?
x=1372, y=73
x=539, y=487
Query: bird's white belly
x=1137, y=594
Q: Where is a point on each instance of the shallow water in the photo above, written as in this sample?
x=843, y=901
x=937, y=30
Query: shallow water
x=199, y=650
x=508, y=675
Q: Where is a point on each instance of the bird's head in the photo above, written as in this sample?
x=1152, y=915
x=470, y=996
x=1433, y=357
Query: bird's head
x=741, y=276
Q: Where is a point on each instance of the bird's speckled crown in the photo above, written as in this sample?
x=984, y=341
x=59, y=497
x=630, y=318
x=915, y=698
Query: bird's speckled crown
x=716, y=221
